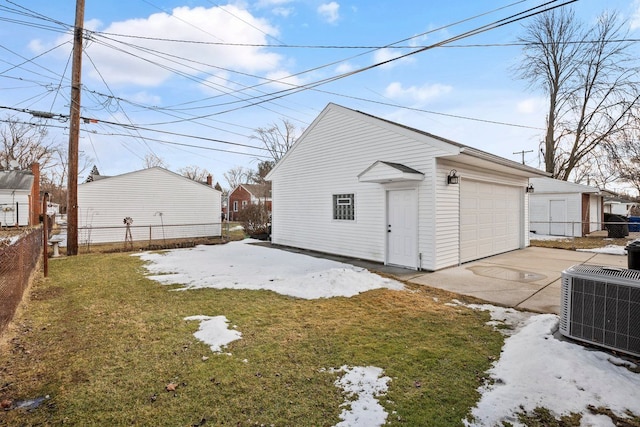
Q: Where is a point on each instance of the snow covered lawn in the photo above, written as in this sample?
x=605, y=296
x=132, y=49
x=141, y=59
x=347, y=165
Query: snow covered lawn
x=536, y=368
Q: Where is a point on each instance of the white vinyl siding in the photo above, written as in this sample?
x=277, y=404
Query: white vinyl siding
x=347, y=144
x=540, y=214
x=14, y=208
x=151, y=197
x=342, y=144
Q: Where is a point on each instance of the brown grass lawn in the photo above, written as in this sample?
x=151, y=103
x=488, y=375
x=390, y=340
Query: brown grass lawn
x=102, y=342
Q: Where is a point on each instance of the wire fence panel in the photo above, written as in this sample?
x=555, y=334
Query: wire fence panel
x=88, y=236
x=18, y=259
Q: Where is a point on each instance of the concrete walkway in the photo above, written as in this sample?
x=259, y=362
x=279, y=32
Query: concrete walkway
x=526, y=279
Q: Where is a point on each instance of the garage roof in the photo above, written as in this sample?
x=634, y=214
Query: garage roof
x=16, y=180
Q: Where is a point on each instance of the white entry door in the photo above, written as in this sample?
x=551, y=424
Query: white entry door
x=402, y=228
x=557, y=217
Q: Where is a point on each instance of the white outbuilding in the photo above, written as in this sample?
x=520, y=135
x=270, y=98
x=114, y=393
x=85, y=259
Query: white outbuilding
x=161, y=205
x=364, y=187
x=561, y=208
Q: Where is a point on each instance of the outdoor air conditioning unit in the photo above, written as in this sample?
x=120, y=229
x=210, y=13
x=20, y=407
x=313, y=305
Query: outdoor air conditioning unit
x=601, y=306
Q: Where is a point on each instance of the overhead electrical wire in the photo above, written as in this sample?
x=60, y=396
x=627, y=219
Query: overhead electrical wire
x=153, y=139
x=298, y=88
x=270, y=97
x=307, y=71
x=484, y=28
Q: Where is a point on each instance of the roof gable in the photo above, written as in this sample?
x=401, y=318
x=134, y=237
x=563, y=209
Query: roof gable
x=383, y=172
x=142, y=172
x=255, y=190
x=454, y=150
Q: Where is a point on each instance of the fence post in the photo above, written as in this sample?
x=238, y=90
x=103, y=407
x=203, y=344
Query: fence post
x=45, y=235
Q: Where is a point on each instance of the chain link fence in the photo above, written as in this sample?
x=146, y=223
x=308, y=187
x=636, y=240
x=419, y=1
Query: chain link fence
x=139, y=237
x=19, y=256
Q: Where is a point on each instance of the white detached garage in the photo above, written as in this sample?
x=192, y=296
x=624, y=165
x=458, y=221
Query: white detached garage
x=162, y=204
x=364, y=187
x=561, y=208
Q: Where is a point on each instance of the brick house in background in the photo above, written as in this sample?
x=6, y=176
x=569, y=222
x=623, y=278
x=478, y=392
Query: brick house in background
x=245, y=194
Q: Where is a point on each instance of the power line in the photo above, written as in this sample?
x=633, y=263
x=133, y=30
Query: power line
x=299, y=88
x=87, y=120
x=313, y=86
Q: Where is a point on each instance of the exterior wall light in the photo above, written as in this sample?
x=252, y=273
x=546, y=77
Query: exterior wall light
x=529, y=188
x=453, y=178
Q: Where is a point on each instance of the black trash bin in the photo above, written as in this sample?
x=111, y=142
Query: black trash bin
x=619, y=229
x=633, y=255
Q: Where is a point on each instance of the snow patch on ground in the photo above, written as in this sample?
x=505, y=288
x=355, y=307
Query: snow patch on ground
x=537, y=368
x=214, y=332
x=535, y=236
x=362, y=385
x=238, y=265
x=609, y=249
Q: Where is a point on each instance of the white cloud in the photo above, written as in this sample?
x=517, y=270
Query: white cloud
x=330, y=12
x=37, y=46
x=157, y=61
x=278, y=7
x=530, y=105
x=282, y=80
x=420, y=94
x=145, y=98
x=382, y=55
x=270, y=3
x=345, y=67
x=282, y=11
x=635, y=17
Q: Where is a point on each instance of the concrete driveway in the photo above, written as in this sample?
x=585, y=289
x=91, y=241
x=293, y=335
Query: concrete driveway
x=526, y=279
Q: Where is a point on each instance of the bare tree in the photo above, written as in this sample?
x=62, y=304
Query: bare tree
x=598, y=170
x=27, y=144
x=626, y=156
x=277, y=139
x=236, y=176
x=152, y=160
x=590, y=78
x=195, y=173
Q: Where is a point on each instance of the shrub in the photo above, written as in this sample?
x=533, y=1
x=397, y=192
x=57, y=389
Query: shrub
x=255, y=220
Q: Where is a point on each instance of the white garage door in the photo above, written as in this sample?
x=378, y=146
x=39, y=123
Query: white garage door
x=490, y=219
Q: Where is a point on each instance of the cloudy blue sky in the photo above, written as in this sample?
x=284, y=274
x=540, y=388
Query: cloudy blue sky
x=166, y=77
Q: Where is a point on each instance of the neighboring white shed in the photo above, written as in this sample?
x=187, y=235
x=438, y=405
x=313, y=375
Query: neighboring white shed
x=561, y=208
x=162, y=204
x=364, y=187
x=619, y=206
x=15, y=194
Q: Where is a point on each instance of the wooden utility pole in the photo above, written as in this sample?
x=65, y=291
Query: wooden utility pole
x=74, y=132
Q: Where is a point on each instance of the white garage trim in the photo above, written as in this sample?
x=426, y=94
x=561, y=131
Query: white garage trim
x=490, y=219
